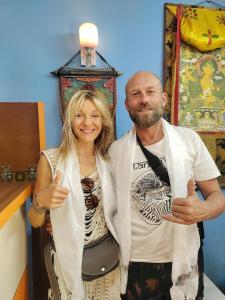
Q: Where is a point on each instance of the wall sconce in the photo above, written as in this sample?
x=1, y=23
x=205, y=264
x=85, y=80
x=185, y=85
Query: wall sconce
x=88, y=34
x=72, y=77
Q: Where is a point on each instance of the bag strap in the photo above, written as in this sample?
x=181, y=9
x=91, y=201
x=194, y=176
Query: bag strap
x=99, y=240
x=155, y=163
x=50, y=271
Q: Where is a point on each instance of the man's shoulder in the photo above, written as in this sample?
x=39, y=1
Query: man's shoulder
x=118, y=143
x=185, y=132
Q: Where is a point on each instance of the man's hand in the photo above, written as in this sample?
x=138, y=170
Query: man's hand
x=188, y=210
x=53, y=195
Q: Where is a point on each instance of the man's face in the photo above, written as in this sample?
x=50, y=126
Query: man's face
x=145, y=100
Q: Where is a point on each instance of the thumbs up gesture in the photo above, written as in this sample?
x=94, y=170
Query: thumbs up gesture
x=188, y=210
x=57, y=177
x=53, y=195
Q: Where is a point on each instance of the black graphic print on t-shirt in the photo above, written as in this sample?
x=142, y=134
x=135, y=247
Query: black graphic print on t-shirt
x=150, y=196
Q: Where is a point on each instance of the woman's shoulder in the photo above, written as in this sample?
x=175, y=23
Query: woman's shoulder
x=52, y=155
x=51, y=151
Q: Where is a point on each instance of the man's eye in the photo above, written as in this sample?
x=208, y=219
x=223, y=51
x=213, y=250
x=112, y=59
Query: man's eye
x=150, y=92
x=96, y=116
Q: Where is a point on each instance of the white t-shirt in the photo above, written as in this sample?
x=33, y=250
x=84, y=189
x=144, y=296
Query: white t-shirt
x=150, y=199
x=152, y=236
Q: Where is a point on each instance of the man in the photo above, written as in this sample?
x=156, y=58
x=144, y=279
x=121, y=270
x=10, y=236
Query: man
x=156, y=218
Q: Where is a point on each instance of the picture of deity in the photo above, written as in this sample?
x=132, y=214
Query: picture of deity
x=202, y=90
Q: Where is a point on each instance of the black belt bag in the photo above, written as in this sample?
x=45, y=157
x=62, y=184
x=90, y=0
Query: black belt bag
x=100, y=257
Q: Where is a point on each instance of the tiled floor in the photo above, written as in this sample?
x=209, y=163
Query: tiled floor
x=211, y=291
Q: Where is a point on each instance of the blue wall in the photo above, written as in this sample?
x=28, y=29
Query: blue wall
x=39, y=36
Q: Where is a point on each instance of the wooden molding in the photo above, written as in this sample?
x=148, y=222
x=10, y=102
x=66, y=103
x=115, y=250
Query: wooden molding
x=22, y=291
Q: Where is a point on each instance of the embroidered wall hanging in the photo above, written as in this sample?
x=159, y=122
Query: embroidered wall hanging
x=194, y=74
x=74, y=79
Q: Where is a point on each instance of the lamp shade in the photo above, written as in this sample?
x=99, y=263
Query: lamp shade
x=88, y=34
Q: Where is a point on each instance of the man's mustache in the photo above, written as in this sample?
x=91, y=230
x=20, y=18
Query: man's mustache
x=144, y=106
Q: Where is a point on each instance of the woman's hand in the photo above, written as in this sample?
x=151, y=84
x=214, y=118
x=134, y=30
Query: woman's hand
x=48, y=225
x=52, y=196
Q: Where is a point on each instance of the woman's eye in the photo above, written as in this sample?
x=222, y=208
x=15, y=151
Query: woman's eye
x=96, y=116
x=78, y=115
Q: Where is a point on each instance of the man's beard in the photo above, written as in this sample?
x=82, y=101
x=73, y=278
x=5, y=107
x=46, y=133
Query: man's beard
x=147, y=120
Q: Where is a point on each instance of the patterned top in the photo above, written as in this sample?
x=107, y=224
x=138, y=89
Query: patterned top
x=95, y=226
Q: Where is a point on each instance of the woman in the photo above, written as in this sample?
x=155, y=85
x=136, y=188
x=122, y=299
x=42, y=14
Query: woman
x=74, y=182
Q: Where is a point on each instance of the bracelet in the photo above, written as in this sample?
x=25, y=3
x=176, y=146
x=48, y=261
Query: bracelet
x=37, y=208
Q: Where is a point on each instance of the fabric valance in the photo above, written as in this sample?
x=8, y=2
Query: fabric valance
x=201, y=28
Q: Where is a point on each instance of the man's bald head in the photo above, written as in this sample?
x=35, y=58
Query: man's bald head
x=142, y=77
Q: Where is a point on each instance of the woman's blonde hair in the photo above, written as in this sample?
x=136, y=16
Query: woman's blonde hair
x=105, y=138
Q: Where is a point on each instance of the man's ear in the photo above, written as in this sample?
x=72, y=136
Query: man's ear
x=126, y=104
x=164, y=98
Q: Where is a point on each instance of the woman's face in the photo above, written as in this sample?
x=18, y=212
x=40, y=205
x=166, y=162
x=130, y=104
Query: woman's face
x=87, y=124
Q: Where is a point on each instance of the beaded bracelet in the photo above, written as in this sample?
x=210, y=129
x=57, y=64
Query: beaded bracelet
x=37, y=208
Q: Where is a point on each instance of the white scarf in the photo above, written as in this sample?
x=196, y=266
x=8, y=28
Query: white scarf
x=186, y=237
x=68, y=221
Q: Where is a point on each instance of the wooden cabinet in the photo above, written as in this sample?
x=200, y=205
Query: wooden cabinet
x=22, y=133
x=22, y=137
